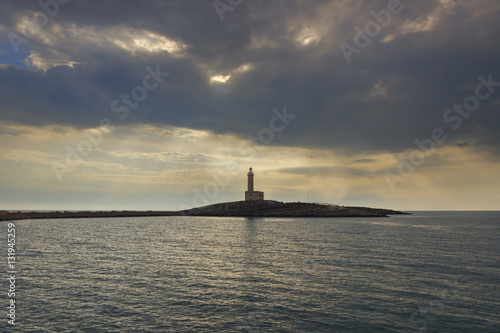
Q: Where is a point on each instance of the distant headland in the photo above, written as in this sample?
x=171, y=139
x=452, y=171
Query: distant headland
x=254, y=205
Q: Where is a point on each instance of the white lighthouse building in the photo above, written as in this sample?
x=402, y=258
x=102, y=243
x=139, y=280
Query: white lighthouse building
x=250, y=194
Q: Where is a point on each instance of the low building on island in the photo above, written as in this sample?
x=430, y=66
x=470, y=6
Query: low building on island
x=250, y=194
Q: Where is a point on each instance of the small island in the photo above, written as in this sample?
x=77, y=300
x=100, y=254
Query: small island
x=255, y=206
x=271, y=208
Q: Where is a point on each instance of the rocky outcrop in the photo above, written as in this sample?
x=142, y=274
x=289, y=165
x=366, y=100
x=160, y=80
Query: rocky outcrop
x=270, y=208
x=259, y=208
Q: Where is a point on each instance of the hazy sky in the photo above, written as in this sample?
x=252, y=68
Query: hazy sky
x=121, y=104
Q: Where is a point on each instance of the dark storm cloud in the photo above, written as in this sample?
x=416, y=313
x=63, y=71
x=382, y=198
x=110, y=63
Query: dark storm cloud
x=389, y=95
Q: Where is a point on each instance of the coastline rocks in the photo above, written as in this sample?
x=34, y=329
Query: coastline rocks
x=271, y=208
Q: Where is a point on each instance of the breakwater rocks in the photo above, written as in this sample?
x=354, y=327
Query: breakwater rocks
x=5, y=216
x=271, y=208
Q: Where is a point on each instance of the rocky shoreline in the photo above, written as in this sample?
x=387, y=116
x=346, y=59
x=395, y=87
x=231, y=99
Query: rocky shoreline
x=271, y=208
x=263, y=208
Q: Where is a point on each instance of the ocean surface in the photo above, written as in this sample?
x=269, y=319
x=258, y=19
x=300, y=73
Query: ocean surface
x=427, y=272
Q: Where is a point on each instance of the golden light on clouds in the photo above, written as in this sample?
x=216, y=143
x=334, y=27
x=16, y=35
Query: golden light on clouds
x=220, y=78
x=57, y=37
x=142, y=40
x=46, y=61
x=165, y=159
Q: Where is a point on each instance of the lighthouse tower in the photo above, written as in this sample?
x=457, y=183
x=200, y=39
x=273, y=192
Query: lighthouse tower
x=250, y=180
x=250, y=194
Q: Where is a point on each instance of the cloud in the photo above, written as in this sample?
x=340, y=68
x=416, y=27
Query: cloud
x=225, y=78
x=394, y=92
x=332, y=171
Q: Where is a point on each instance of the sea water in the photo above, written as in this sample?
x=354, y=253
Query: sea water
x=426, y=272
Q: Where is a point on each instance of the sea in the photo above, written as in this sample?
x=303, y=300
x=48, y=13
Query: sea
x=425, y=272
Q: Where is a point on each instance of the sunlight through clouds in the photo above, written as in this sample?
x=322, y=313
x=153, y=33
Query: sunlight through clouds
x=215, y=84
x=141, y=40
x=220, y=78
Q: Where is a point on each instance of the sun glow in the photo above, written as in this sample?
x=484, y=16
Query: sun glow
x=220, y=78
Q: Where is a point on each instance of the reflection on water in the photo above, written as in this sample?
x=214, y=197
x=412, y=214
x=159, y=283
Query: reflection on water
x=437, y=271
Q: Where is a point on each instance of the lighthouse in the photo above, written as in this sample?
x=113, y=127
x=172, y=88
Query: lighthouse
x=250, y=194
x=250, y=180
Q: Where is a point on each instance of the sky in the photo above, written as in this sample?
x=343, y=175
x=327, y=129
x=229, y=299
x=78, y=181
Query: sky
x=164, y=105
